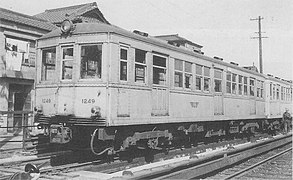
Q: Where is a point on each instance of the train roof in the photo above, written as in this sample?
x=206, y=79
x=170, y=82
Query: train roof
x=93, y=28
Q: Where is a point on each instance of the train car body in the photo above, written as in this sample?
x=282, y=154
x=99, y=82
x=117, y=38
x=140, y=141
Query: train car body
x=129, y=88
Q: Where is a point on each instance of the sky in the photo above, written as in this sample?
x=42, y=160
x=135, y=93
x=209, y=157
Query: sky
x=222, y=27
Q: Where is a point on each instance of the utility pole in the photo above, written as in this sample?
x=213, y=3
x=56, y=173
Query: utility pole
x=259, y=41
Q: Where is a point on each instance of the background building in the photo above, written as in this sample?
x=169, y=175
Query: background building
x=18, y=34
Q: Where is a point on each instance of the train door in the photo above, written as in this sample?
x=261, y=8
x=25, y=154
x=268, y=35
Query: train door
x=218, y=92
x=160, y=93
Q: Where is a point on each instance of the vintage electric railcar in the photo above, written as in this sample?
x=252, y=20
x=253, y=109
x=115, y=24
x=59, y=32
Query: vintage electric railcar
x=108, y=89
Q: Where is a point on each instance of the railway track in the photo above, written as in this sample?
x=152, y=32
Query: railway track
x=258, y=166
x=72, y=170
x=194, y=167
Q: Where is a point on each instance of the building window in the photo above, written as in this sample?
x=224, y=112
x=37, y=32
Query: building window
x=67, y=62
x=178, y=77
x=140, y=66
x=240, y=85
x=218, y=80
x=245, y=86
x=123, y=63
x=251, y=86
x=188, y=75
x=48, y=64
x=198, y=78
x=206, y=82
x=91, y=62
x=159, y=69
x=228, y=83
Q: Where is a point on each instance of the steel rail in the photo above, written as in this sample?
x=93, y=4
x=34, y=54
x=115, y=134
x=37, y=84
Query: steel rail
x=246, y=170
x=198, y=167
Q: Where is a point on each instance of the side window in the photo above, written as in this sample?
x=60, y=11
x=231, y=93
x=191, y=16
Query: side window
x=183, y=74
x=188, y=75
x=218, y=80
x=258, y=88
x=178, y=76
x=48, y=64
x=67, y=62
x=251, y=86
x=159, y=69
x=198, y=78
x=245, y=80
x=123, y=63
x=271, y=91
x=282, y=93
x=278, y=91
x=140, y=66
x=206, y=81
x=91, y=62
x=240, y=85
x=274, y=92
x=228, y=82
x=234, y=83
x=262, y=89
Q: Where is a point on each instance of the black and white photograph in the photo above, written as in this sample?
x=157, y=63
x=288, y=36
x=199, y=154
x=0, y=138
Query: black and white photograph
x=146, y=89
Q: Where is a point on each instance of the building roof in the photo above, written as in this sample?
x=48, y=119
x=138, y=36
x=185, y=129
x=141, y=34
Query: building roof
x=87, y=12
x=27, y=20
x=176, y=38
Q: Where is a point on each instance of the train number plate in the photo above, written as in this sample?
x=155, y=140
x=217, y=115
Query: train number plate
x=46, y=100
x=88, y=101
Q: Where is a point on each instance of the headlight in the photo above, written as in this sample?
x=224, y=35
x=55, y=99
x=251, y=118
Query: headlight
x=96, y=111
x=66, y=26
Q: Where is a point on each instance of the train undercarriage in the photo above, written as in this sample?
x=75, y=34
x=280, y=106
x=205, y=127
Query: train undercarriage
x=122, y=140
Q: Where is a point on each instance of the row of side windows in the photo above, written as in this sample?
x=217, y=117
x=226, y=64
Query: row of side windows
x=278, y=92
x=183, y=75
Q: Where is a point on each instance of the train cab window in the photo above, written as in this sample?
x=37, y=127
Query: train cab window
x=228, y=82
x=245, y=90
x=251, y=86
x=218, y=80
x=240, y=85
x=159, y=69
x=178, y=76
x=198, y=78
x=123, y=63
x=234, y=83
x=48, y=64
x=206, y=81
x=188, y=75
x=91, y=61
x=140, y=65
x=67, y=62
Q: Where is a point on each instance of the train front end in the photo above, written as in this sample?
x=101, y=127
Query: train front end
x=71, y=85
